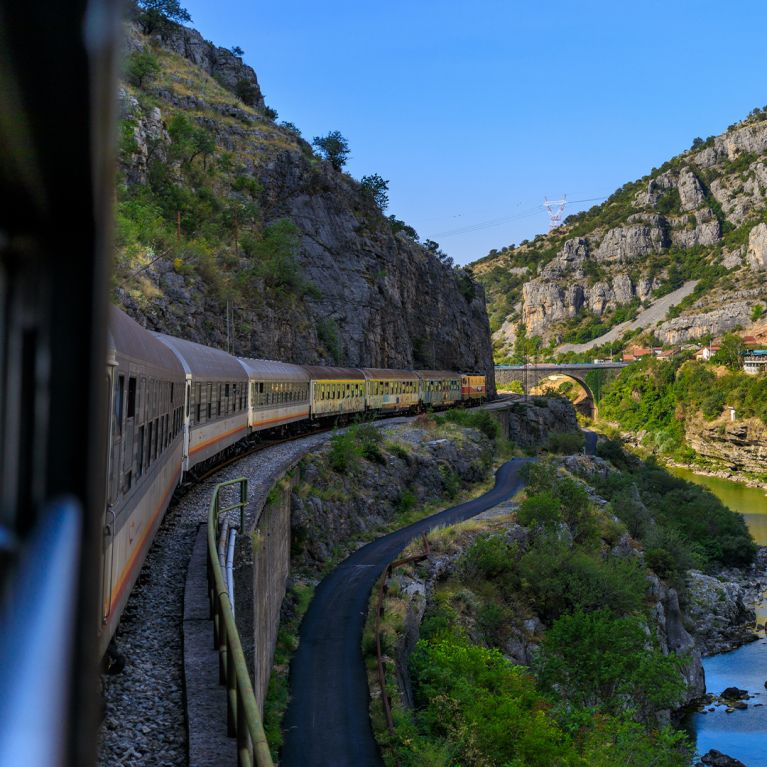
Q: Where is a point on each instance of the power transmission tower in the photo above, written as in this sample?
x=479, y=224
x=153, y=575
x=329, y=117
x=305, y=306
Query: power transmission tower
x=555, y=219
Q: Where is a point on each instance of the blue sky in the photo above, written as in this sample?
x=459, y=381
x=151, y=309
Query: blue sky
x=475, y=111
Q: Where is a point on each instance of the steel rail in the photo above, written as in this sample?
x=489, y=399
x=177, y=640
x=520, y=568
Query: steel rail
x=243, y=718
x=379, y=612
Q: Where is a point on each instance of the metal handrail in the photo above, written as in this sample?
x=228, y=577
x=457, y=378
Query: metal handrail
x=243, y=718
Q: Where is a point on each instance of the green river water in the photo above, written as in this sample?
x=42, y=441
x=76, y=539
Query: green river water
x=742, y=734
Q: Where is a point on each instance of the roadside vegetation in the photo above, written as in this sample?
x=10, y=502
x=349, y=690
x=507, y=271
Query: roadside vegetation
x=599, y=683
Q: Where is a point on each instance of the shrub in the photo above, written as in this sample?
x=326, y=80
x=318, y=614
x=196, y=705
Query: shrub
x=406, y=501
x=375, y=188
x=487, y=557
x=566, y=443
x=247, y=92
x=397, y=450
x=343, y=451
x=597, y=661
x=661, y=561
x=540, y=508
x=142, y=67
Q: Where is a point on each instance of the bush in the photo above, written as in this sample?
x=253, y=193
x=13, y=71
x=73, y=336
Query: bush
x=597, y=661
x=488, y=557
x=612, y=450
x=406, y=501
x=397, y=450
x=247, y=92
x=540, y=508
x=566, y=442
x=661, y=561
x=334, y=148
x=343, y=451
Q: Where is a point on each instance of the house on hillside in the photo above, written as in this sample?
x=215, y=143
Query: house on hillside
x=754, y=361
x=668, y=354
x=749, y=341
x=707, y=352
x=637, y=354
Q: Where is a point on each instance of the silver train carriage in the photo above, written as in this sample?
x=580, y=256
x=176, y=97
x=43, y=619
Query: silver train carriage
x=216, y=416
x=146, y=396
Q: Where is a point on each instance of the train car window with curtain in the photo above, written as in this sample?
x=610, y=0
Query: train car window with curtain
x=209, y=399
x=119, y=396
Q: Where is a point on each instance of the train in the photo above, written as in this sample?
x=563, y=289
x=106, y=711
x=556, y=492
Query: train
x=177, y=408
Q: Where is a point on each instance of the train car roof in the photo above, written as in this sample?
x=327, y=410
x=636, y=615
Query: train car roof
x=321, y=373
x=204, y=361
x=431, y=375
x=127, y=337
x=390, y=375
x=268, y=370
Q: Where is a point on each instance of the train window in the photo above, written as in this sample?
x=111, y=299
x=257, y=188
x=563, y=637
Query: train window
x=226, y=395
x=209, y=399
x=141, y=400
x=132, y=397
x=198, y=402
x=119, y=396
x=140, y=450
x=218, y=400
x=156, y=438
x=171, y=393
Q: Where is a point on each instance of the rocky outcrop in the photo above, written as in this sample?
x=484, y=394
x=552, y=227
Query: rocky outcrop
x=720, y=606
x=530, y=424
x=741, y=446
x=691, y=326
x=329, y=510
x=218, y=62
x=703, y=234
x=752, y=139
x=756, y=255
x=626, y=243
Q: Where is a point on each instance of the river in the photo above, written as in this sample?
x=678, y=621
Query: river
x=742, y=734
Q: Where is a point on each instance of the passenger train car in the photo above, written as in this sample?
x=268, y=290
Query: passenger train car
x=177, y=408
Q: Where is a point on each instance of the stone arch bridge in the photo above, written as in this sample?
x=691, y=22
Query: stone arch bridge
x=532, y=375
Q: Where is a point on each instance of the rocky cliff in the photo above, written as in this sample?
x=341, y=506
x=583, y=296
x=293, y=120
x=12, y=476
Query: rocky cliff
x=342, y=284
x=739, y=446
x=701, y=216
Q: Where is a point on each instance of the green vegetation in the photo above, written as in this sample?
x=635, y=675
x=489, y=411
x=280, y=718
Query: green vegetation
x=601, y=676
x=681, y=524
x=158, y=16
x=375, y=188
x=334, y=148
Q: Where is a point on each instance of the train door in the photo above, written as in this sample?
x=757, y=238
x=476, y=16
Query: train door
x=115, y=392
x=186, y=412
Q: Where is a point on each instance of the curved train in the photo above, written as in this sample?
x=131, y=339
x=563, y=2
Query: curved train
x=178, y=407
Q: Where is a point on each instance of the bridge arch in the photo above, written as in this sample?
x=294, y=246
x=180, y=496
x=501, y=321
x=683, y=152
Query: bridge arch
x=533, y=375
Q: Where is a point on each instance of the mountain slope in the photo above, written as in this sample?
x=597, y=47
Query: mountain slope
x=701, y=216
x=319, y=273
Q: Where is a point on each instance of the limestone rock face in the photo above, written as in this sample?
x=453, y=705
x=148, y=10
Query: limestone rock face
x=704, y=234
x=752, y=138
x=690, y=190
x=546, y=302
x=626, y=243
x=741, y=445
x=688, y=327
x=757, y=248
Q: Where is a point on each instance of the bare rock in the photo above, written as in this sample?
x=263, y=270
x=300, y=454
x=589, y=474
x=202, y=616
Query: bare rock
x=756, y=255
x=626, y=243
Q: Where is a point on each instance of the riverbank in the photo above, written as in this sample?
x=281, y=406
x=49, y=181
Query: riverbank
x=718, y=474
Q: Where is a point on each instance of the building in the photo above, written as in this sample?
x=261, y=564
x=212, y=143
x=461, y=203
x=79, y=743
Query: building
x=707, y=352
x=668, y=354
x=754, y=361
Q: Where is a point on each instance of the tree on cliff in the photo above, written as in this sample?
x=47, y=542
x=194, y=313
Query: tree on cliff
x=334, y=148
x=376, y=188
x=159, y=16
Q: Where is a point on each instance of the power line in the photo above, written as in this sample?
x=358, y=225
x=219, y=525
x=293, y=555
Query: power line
x=505, y=219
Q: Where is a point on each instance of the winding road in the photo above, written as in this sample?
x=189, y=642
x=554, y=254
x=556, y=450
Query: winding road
x=327, y=722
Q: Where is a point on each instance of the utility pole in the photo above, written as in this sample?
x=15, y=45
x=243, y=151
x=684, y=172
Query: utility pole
x=555, y=219
x=227, y=327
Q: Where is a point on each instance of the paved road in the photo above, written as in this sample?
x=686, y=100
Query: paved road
x=327, y=722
